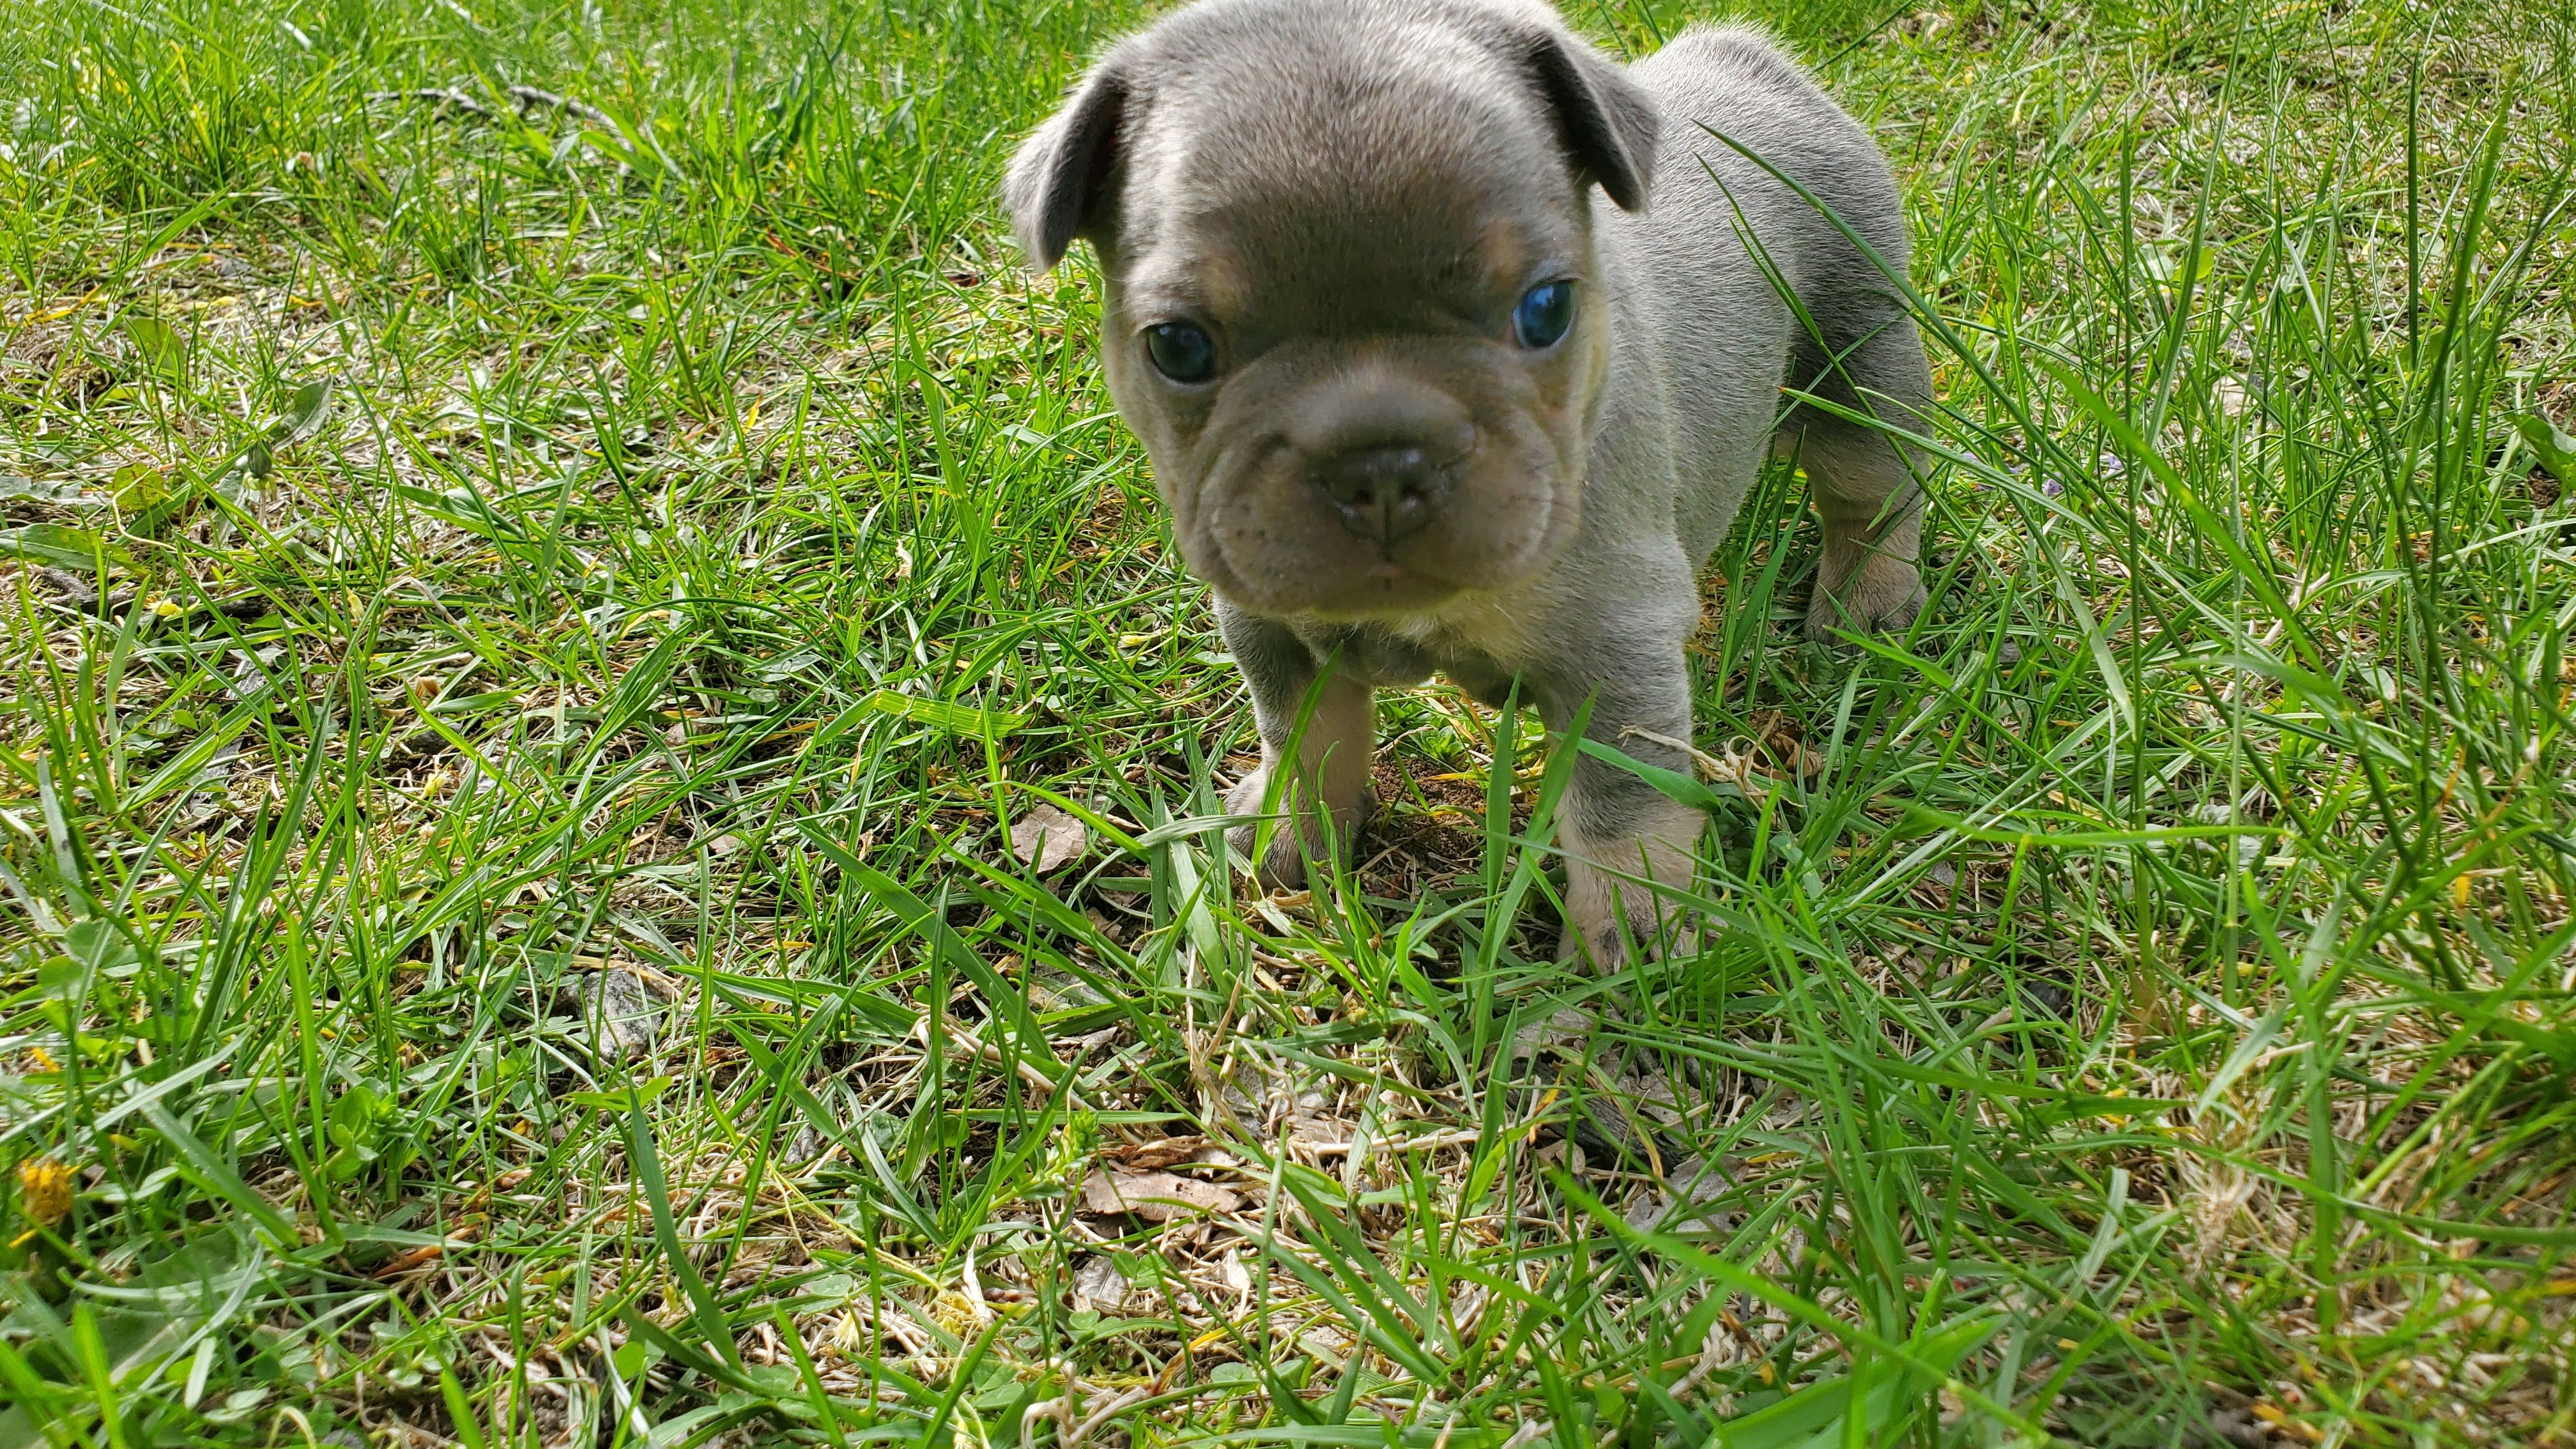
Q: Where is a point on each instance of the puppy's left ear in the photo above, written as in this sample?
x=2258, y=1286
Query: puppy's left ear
x=1605, y=119
x=1058, y=178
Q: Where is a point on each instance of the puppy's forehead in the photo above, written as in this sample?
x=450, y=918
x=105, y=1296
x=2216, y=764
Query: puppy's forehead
x=1329, y=185
x=1287, y=262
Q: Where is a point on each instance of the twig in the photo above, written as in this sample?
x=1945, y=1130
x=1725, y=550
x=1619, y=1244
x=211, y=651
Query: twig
x=1736, y=768
x=1104, y=1413
x=447, y=97
x=1711, y=1354
x=529, y=98
x=1059, y=1408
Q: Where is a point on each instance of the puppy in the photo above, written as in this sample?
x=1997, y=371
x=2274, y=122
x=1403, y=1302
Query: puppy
x=1456, y=346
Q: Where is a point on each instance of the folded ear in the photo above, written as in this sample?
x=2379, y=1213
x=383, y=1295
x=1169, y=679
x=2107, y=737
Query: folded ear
x=1605, y=119
x=1057, y=179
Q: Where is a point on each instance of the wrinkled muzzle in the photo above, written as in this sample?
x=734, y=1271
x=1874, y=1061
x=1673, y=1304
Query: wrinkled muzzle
x=1365, y=481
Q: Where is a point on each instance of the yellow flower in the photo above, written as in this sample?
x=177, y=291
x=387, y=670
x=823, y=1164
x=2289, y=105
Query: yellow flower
x=44, y=1190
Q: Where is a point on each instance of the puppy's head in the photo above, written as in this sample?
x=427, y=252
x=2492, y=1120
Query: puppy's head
x=1350, y=308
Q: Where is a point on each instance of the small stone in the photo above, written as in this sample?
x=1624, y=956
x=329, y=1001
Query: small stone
x=1566, y=1027
x=2235, y=1427
x=1699, y=1184
x=75, y=590
x=1099, y=1286
x=619, y=1015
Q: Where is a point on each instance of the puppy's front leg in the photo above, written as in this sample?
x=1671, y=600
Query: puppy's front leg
x=1613, y=824
x=1331, y=753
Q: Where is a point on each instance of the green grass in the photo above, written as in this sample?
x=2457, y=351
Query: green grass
x=463, y=550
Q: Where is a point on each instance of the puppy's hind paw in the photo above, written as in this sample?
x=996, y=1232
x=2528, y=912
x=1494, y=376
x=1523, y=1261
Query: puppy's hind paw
x=1871, y=601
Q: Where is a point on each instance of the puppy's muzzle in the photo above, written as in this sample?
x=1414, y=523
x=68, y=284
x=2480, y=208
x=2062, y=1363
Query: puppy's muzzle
x=1383, y=448
x=1383, y=493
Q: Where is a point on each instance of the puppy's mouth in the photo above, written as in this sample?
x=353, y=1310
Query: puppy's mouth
x=1316, y=566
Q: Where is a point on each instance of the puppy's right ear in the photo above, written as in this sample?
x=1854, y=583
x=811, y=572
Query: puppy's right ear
x=1607, y=121
x=1056, y=181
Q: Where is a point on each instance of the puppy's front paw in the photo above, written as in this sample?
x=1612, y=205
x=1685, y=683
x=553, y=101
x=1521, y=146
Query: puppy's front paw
x=1606, y=916
x=1884, y=594
x=1283, y=865
x=1608, y=942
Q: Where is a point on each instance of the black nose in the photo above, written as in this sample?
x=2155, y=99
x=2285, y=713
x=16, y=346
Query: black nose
x=1383, y=493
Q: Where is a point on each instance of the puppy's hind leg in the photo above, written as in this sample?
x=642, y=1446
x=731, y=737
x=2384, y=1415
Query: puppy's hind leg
x=1867, y=485
x=1319, y=757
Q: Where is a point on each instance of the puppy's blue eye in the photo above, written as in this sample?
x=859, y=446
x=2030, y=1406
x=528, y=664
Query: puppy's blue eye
x=1544, y=313
x=1181, y=352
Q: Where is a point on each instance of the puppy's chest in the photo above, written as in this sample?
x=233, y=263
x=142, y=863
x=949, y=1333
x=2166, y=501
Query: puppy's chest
x=1400, y=656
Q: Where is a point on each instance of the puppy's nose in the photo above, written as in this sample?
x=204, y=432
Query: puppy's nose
x=1383, y=493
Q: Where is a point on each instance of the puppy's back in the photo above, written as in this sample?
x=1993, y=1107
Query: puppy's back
x=1713, y=329
x=1731, y=81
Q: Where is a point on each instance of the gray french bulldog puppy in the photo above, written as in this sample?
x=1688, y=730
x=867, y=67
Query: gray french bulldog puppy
x=1456, y=346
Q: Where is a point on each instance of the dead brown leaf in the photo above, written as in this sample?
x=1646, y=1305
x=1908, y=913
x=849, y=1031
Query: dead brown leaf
x=1048, y=838
x=1157, y=1197
x=1162, y=1152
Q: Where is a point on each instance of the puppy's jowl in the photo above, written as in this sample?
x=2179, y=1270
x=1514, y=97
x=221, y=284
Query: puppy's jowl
x=1451, y=353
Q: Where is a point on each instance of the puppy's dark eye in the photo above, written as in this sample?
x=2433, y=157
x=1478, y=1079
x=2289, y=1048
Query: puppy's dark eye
x=1181, y=352
x=1544, y=313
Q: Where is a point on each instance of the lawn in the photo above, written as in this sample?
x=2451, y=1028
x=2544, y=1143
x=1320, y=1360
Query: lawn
x=611, y=786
